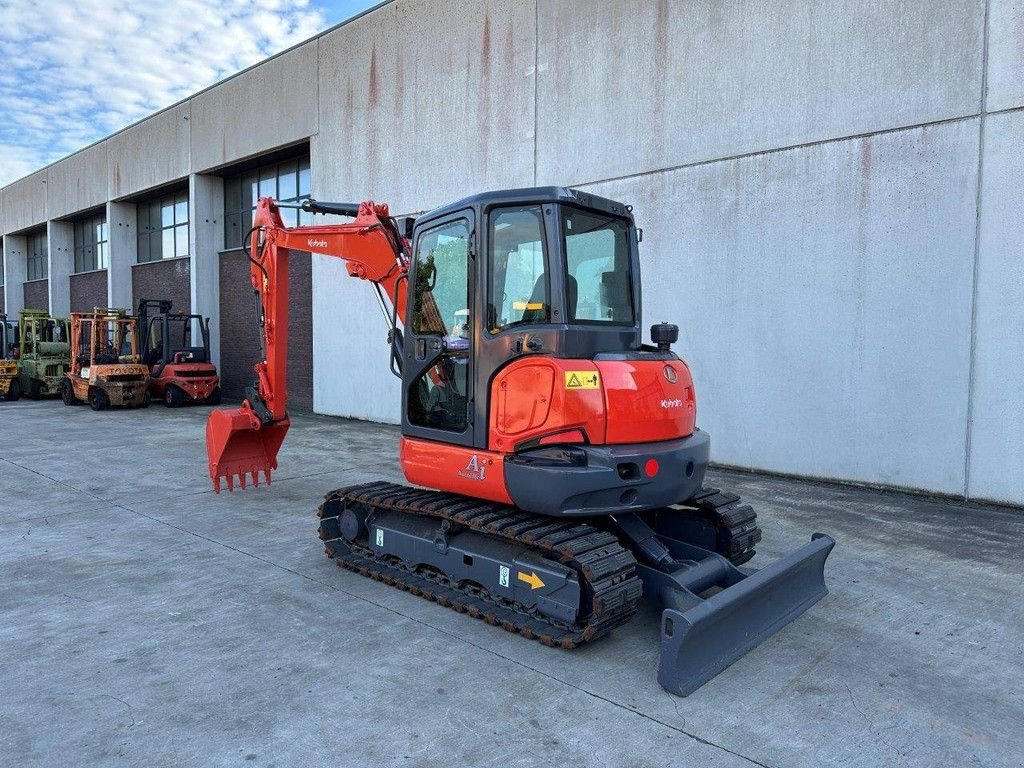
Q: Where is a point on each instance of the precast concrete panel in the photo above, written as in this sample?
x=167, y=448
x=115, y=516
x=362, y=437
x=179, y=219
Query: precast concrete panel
x=1005, y=55
x=273, y=105
x=150, y=154
x=77, y=182
x=636, y=85
x=426, y=101
x=352, y=377
x=60, y=238
x=823, y=296
x=206, y=203
x=996, y=469
x=15, y=271
x=24, y=203
x=124, y=248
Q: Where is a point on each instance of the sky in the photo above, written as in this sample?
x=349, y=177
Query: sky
x=76, y=71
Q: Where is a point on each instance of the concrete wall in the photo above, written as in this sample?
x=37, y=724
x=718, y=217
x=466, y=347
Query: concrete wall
x=267, y=107
x=134, y=166
x=831, y=195
x=823, y=296
x=77, y=182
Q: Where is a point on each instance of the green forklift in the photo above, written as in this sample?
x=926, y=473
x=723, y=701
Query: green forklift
x=44, y=353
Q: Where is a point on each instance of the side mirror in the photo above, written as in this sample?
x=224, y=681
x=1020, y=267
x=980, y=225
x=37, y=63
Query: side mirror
x=664, y=335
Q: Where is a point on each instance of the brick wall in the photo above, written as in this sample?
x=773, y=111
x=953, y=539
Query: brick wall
x=166, y=279
x=88, y=290
x=239, y=335
x=37, y=295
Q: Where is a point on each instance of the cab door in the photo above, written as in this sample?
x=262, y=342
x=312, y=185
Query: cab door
x=437, y=377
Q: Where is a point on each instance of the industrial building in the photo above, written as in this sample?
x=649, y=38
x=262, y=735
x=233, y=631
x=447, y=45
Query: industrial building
x=832, y=198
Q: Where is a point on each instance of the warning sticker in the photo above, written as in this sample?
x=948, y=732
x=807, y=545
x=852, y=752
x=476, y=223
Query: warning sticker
x=380, y=537
x=503, y=575
x=582, y=380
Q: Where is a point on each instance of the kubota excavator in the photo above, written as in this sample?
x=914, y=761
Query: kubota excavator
x=565, y=466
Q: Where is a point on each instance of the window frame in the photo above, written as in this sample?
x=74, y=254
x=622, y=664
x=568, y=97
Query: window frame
x=567, y=209
x=253, y=183
x=39, y=259
x=492, y=213
x=155, y=231
x=92, y=233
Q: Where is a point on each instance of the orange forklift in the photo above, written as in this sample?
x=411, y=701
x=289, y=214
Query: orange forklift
x=176, y=350
x=106, y=368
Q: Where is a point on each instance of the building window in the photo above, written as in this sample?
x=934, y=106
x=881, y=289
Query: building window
x=92, y=244
x=286, y=182
x=163, y=228
x=37, y=259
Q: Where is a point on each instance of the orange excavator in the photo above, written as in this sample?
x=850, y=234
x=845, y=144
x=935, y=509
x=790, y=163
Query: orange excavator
x=556, y=470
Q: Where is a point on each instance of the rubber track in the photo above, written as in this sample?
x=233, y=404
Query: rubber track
x=738, y=519
x=609, y=583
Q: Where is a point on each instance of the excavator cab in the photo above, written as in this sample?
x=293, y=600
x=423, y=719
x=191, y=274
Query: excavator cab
x=567, y=466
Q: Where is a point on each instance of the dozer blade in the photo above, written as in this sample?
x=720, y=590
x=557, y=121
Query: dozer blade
x=239, y=446
x=698, y=643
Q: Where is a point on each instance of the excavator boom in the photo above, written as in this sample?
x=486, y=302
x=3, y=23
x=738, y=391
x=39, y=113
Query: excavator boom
x=243, y=442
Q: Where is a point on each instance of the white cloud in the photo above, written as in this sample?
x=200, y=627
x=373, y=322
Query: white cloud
x=75, y=72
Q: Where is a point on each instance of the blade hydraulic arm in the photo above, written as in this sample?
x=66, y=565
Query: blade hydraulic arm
x=245, y=441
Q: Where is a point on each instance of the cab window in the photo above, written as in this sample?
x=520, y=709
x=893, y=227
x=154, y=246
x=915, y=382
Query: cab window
x=519, y=290
x=438, y=397
x=598, y=286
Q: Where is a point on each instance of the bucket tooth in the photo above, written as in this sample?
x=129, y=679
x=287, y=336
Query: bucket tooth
x=239, y=447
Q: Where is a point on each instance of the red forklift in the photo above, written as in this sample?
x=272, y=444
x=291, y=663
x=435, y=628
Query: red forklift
x=176, y=348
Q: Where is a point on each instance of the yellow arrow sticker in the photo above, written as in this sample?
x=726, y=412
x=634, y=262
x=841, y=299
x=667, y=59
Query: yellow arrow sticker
x=533, y=579
x=582, y=380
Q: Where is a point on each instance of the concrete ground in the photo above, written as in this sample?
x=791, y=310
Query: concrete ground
x=146, y=621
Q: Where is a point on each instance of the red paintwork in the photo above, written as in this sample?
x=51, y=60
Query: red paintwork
x=370, y=252
x=643, y=405
x=529, y=401
x=636, y=403
x=196, y=387
x=454, y=468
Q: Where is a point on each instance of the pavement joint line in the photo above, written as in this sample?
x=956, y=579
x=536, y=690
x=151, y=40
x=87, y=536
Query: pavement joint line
x=397, y=612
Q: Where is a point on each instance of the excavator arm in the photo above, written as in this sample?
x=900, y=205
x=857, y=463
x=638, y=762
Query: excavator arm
x=244, y=441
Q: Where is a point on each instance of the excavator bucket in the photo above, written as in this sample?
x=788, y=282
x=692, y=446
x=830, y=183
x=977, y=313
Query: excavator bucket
x=701, y=640
x=239, y=446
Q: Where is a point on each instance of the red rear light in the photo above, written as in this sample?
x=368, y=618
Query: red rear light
x=651, y=467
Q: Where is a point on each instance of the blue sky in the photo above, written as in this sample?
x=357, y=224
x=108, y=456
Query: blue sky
x=74, y=72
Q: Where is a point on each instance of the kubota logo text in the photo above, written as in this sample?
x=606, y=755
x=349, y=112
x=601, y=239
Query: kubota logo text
x=313, y=243
x=671, y=404
x=474, y=469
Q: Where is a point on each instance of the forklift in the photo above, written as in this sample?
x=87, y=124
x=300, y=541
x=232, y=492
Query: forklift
x=44, y=354
x=176, y=349
x=105, y=362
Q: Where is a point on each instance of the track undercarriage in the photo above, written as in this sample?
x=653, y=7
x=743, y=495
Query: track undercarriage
x=567, y=582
